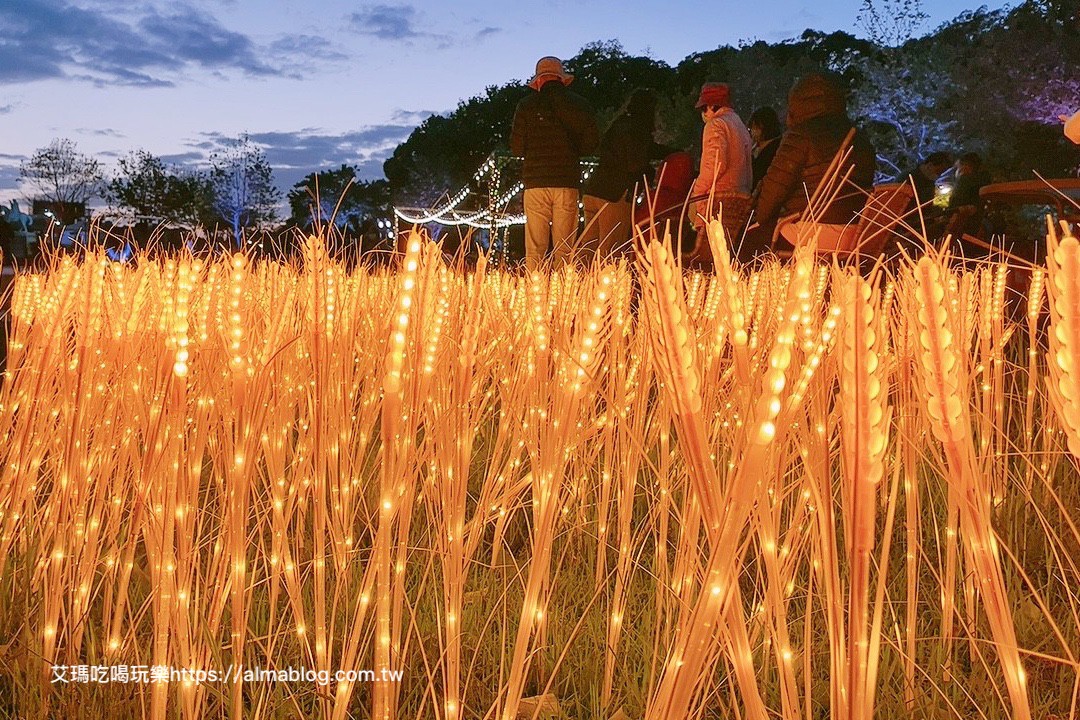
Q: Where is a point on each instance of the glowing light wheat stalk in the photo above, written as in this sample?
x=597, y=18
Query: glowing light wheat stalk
x=1063, y=260
x=865, y=422
x=941, y=370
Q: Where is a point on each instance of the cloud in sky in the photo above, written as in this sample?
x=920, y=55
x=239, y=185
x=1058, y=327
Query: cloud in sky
x=395, y=23
x=299, y=45
x=109, y=45
x=9, y=177
x=293, y=155
x=387, y=22
x=100, y=132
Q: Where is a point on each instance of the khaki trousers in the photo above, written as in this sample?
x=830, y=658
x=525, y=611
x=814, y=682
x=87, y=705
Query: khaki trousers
x=550, y=214
x=607, y=227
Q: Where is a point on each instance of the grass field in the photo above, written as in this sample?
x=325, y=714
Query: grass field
x=772, y=492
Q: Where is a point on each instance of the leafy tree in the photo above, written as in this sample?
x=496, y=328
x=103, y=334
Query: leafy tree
x=902, y=98
x=159, y=193
x=891, y=23
x=1023, y=83
x=443, y=153
x=605, y=74
x=60, y=174
x=901, y=91
x=353, y=205
x=243, y=186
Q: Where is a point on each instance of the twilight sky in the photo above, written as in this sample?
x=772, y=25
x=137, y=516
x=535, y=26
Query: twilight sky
x=322, y=82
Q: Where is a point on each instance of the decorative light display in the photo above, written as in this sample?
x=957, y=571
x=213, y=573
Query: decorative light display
x=491, y=217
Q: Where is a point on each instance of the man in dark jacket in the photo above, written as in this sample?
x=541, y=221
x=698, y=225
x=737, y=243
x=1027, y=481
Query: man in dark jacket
x=817, y=125
x=553, y=128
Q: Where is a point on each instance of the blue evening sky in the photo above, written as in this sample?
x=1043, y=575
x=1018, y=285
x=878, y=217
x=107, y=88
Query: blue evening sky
x=322, y=82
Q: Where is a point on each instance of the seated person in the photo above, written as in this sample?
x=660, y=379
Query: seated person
x=674, y=180
x=924, y=178
x=965, y=205
x=817, y=125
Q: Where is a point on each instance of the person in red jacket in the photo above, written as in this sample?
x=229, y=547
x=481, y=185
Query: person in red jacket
x=673, y=182
x=553, y=128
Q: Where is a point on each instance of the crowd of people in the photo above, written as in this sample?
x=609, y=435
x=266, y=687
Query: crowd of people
x=759, y=177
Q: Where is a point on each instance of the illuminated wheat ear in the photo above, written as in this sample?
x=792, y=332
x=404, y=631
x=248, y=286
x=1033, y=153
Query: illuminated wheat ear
x=939, y=365
x=1063, y=266
x=865, y=435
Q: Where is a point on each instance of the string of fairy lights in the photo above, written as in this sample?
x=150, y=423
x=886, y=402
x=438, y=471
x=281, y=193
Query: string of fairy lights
x=490, y=201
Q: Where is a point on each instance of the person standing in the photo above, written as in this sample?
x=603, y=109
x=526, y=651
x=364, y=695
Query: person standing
x=725, y=175
x=626, y=150
x=553, y=127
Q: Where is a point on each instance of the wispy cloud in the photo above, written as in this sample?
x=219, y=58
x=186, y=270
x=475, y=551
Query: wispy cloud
x=4, y=109
x=100, y=132
x=395, y=23
x=133, y=44
x=304, y=54
x=311, y=46
x=387, y=22
x=414, y=117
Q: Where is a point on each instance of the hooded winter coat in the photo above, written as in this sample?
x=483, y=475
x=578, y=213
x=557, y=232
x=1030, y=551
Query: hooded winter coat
x=625, y=151
x=552, y=130
x=817, y=124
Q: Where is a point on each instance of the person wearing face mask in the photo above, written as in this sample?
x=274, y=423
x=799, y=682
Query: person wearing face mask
x=725, y=176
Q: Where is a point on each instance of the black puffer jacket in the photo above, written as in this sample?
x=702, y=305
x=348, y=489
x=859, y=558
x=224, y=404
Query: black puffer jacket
x=817, y=124
x=552, y=129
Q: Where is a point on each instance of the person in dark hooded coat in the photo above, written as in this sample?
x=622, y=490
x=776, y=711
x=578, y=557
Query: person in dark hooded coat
x=623, y=163
x=817, y=125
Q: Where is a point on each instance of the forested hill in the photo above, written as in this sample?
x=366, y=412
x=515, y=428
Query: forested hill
x=992, y=82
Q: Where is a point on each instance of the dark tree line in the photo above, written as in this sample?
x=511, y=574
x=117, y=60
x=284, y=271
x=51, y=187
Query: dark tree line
x=993, y=82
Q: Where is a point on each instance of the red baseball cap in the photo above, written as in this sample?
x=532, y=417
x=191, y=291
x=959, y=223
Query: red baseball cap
x=714, y=94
